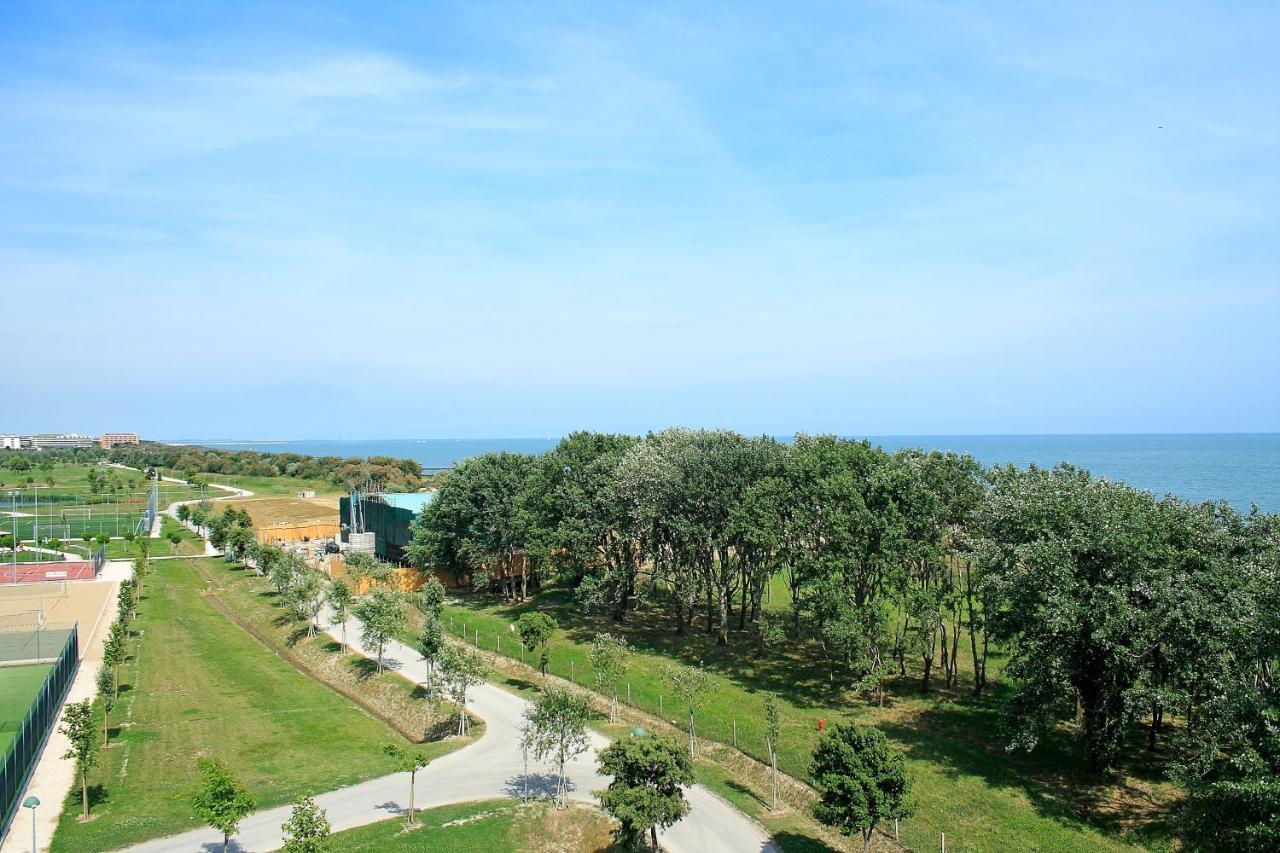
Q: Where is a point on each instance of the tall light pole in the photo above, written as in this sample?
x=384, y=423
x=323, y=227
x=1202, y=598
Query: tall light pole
x=30, y=803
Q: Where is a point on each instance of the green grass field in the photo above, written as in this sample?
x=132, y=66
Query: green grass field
x=19, y=686
x=966, y=784
x=266, y=486
x=496, y=826
x=197, y=685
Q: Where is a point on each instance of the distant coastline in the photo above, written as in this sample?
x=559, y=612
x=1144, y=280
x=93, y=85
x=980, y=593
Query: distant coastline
x=1240, y=468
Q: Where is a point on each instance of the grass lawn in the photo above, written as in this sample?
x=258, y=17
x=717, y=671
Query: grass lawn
x=195, y=684
x=19, y=686
x=251, y=602
x=267, y=486
x=190, y=544
x=966, y=785
x=496, y=826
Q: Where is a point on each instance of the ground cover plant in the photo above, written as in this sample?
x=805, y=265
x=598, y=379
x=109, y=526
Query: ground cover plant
x=501, y=826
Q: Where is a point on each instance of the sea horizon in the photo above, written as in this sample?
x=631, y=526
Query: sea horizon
x=1241, y=468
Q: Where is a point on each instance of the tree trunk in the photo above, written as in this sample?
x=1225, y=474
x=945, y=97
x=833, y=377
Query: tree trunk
x=84, y=789
x=413, y=778
x=722, y=632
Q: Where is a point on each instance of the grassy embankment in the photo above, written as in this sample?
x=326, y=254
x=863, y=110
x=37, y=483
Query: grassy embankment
x=197, y=684
x=966, y=785
x=496, y=826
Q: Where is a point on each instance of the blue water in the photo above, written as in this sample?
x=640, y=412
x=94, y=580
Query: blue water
x=1239, y=468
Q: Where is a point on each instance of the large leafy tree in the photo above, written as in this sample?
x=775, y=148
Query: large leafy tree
x=647, y=790
x=480, y=523
x=861, y=780
x=1073, y=565
x=585, y=516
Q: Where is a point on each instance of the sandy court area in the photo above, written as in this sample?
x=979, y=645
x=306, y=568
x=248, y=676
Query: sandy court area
x=63, y=605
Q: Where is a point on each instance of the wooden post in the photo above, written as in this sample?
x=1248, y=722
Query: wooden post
x=944, y=842
x=661, y=713
x=497, y=642
x=522, y=651
x=628, y=693
x=735, y=734
x=477, y=638
x=571, y=670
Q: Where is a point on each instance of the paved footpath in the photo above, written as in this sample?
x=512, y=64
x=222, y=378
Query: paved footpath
x=491, y=767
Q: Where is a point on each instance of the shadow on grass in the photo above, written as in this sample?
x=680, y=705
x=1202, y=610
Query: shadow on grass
x=794, y=842
x=960, y=739
x=363, y=667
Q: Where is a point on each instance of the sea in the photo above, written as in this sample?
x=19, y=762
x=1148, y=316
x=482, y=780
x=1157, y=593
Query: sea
x=1240, y=468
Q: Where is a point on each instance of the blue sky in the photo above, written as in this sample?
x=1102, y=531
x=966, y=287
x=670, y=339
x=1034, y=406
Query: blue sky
x=490, y=219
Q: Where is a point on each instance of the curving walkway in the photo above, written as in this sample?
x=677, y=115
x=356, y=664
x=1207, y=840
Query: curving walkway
x=490, y=767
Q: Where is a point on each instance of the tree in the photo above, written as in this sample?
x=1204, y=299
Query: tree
x=306, y=598
x=240, y=542
x=1072, y=564
x=175, y=539
x=82, y=732
x=219, y=799
x=364, y=566
x=381, y=614
x=479, y=523
x=461, y=668
x=408, y=761
x=125, y=601
x=307, y=829
x=585, y=515
x=861, y=780
x=690, y=684
x=772, y=728
x=608, y=656
x=535, y=631
x=646, y=794
x=340, y=600
x=103, y=540
x=555, y=727
x=107, y=694
x=183, y=512
x=431, y=600
x=431, y=643
x=114, y=650
x=140, y=566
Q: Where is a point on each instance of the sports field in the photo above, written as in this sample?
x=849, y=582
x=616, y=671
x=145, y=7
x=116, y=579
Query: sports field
x=19, y=686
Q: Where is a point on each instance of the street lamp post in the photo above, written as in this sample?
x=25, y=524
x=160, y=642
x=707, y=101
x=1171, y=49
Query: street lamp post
x=30, y=803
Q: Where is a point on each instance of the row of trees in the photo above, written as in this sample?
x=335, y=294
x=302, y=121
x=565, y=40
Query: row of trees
x=1112, y=604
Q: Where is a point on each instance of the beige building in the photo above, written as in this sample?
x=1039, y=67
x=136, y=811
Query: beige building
x=51, y=441
x=111, y=439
